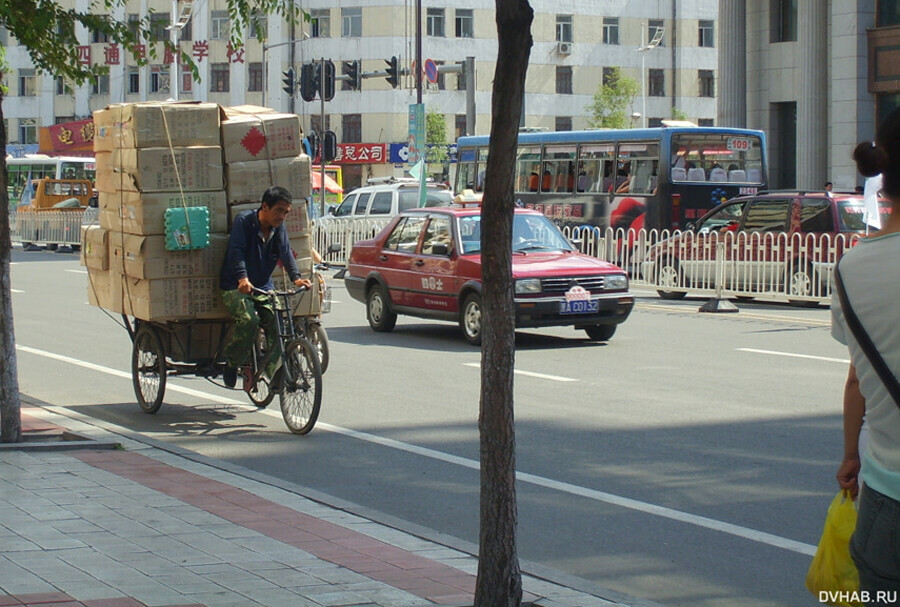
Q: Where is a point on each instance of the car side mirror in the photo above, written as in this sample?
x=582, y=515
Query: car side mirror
x=690, y=226
x=440, y=248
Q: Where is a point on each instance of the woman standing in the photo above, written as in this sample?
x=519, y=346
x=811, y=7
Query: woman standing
x=870, y=272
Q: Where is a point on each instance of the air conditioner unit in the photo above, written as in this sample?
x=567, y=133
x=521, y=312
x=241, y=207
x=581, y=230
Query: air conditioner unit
x=564, y=48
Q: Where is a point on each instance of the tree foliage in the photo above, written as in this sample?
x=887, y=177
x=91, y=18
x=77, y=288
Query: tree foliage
x=436, y=137
x=50, y=33
x=609, y=108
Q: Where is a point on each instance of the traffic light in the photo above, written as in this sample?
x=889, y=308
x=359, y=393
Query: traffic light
x=288, y=81
x=326, y=81
x=309, y=81
x=351, y=69
x=329, y=146
x=393, y=71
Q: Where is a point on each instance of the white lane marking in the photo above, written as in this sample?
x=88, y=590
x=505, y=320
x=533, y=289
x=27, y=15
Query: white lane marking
x=16, y=291
x=529, y=374
x=77, y=271
x=792, y=355
x=533, y=479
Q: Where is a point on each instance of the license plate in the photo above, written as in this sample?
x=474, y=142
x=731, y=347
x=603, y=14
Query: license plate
x=579, y=306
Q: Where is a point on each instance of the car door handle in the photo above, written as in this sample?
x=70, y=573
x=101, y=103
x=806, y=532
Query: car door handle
x=420, y=262
x=382, y=258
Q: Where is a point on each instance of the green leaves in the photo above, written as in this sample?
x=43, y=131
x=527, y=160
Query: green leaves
x=608, y=109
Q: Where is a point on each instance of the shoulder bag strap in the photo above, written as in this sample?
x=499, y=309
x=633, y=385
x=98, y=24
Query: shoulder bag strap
x=865, y=342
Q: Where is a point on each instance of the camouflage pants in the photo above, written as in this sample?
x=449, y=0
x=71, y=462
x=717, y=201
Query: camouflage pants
x=249, y=313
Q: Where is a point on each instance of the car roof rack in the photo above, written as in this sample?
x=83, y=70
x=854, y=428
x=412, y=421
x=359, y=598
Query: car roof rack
x=391, y=179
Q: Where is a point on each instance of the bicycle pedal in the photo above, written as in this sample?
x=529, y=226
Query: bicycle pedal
x=248, y=378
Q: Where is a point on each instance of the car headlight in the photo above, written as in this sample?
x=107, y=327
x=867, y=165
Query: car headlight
x=616, y=282
x=528, y=286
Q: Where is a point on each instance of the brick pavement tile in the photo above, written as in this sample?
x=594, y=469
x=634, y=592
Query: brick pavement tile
x=9, y=601
x=114, y=602
x=43, y=598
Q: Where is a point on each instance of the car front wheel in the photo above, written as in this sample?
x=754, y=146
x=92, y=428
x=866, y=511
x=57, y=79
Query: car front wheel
x=378, y=310
x=470, y=319
x=600, y=332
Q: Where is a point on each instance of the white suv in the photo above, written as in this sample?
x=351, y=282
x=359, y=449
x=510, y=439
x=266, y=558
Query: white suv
x=383, y=199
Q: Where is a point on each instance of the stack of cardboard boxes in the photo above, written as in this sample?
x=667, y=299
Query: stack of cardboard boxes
x=153, y=157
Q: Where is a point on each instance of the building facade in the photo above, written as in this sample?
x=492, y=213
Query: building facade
x=816, y=75
x=576, y=42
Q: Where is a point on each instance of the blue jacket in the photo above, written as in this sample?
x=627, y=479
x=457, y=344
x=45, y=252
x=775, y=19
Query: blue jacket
x=248, y=256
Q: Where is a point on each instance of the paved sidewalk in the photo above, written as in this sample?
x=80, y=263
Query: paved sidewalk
x=116, y=522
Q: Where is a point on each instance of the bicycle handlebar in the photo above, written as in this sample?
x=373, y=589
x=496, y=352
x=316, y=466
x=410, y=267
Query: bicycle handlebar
x=279, y=293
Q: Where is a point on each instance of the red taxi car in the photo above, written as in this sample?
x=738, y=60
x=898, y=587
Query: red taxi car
x=427, y=263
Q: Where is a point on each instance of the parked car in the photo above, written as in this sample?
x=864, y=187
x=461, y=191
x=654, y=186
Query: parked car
x=779, y=241
x=427, y=263
x=385, y=198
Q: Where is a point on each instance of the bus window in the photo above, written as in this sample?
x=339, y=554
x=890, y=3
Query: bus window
x=528, y=168
x=640, y=163
x=725, y=157
x=595, y=162
x=559, y=162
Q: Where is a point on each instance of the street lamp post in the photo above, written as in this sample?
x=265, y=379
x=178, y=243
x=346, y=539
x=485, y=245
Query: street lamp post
x=657, y=38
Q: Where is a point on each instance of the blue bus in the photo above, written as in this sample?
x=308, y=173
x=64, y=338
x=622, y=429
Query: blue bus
x=654, y=178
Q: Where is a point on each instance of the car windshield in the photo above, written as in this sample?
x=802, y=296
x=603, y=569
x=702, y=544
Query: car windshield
x=852, y=213
x=726, y=216
x=530, y=233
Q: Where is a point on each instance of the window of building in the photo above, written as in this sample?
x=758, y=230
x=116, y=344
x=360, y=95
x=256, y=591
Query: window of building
x=563, y=123
x=134, y=80
x=706, y=122
x=28, y=130
x=435, y=22
x=63, y=87
x=564, y=79
x=255, y=77
x=608, y=74
x=100, y=86
x=99, y=37
x=784, y=20
x=260, y=27
x=707, y=83
x=654, y=26
x=351, y=22
x=888, y=13
x=564, y=28
x=351, y=128
x=28, y=83
x=460, y=126
x=610, y=30
x=706, y=34
x=656, y=83
x=185, y=33
x=218, y=25
x=465, y=23
x=654, y=122
x=158, y=24
x=63, y=119
x=159, y=79
x=134, y=23
x=320, y=23
x=219, y=80
x=187, y=78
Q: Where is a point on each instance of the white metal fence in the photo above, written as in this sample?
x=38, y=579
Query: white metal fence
x=50, y=227
x=766, y=265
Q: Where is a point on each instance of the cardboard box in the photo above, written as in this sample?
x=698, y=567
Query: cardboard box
x=95, y=247
x=109, y=220
x=173, y=298
x=144, y=213
x=247, y=137
x=146, y=257
x=99, y=290
x=187, y=169
x=236, y=110
x=296, y=223
x=308, y=303
x=248, y=180
x=156, y=124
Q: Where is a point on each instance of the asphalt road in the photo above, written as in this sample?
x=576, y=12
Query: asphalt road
x=689, y=461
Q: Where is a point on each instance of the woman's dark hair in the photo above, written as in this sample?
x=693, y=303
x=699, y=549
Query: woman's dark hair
x=882, y=155
x=274, y=194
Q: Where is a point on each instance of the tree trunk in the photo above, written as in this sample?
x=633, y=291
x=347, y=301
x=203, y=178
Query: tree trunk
x=499, y=582
x=10, y=409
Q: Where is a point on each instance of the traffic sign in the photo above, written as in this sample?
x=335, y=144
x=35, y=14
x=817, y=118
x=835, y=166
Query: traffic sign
x=431, y=70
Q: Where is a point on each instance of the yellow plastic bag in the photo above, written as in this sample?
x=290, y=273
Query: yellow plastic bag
x=832, y=576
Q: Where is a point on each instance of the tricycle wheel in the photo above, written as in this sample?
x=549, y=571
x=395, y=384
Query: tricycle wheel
x=148, y=368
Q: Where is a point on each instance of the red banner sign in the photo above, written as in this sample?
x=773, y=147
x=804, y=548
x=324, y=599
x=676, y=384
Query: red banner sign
x=71, y=135
x=362, y=153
